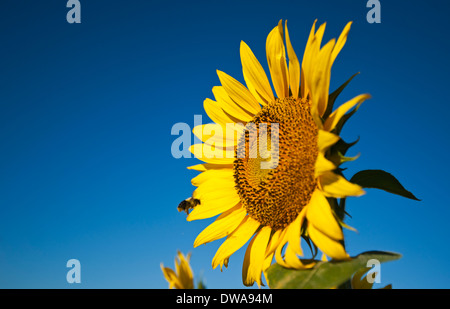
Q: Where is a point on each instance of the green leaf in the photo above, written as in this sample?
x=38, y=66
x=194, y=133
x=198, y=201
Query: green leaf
x=380, y=179
x=323, y=275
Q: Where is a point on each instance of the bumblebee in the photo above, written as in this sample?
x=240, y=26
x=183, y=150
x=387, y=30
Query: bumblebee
x=188, y=204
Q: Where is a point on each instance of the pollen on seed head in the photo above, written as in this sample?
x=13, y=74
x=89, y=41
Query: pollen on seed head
x=274, y=197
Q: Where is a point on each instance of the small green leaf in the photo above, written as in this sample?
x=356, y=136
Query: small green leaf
x=323, y=275
x=311, y=246
x=380, y=179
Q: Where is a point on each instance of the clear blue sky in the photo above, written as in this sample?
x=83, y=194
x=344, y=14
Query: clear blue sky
x=86, y=170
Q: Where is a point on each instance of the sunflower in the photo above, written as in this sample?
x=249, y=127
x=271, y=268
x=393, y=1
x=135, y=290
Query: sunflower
x=182, y=277
x=274, y=207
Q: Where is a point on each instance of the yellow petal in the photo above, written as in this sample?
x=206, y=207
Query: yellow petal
x=316, y=68
x=306, y=73
x=333, y=185
x=304, y=89
x=323, y=165
x=206, y=131
x=209, y=154
x=293, y=232
x=283, y=238
x=209, y=185
x=293, y=250
x=254, y=257
x=267, y=261
x=214, y=199
x=212, y=207
x=311, y=36
x=341, y=41
x=309, y=63
x=224, y=225
x=171, y=277
x=184, y=271
x=276, y=58
x=266, y=265
x=229, y=106
x=208, y=166
x=239, y=93
x=217, y=135
x=217, y=114
x=335, y=116
x=326, y=139
x=321, y=75
x=235, y=241
x=294, y=66
x=182, y=277
x=255, y=77
x=292, y=260
x=327, y=245
x=212, y=174
x=320, y=215
x=273, y=244
x=319, y=35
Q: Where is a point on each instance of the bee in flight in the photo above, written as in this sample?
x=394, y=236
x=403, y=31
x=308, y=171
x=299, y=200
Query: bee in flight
x=188, y=204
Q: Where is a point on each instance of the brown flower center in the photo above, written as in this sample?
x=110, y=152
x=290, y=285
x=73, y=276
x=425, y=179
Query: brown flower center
x=275, y=177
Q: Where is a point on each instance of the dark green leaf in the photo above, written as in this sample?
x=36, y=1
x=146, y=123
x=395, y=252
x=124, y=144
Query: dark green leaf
x=380, y=179
x=323, y=275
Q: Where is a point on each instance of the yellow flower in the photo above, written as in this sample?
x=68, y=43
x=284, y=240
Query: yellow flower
x=274, y=206
x=182, y=277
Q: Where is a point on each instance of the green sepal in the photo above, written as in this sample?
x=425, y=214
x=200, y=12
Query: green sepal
x=311, y=245
x=345, y=225
x=338, y=128
x=338, y=158
x=380, y=179
x=339, y=212
x=333, y=96
x=324, y=275
x=342, y=207
x=341, y=147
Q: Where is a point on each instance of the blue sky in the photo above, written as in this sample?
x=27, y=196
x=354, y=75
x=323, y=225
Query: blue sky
x=87, y=109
